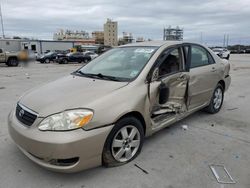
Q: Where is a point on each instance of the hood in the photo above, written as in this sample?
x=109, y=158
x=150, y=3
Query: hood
x=68, y=93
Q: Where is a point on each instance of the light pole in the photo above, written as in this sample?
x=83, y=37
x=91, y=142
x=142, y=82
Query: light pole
x=2, y=21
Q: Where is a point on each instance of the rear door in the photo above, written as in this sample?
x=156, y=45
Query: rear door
x=203, y=77
x=74, y=56
x=169, y=73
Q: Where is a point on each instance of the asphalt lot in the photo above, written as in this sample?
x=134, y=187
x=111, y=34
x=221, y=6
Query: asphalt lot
x=173, y=158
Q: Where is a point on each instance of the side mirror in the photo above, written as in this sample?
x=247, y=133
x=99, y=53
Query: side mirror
x=1, y=51
x=220, y=55
x=163, y=93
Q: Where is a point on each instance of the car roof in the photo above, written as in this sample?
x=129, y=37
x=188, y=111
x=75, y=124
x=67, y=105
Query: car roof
x=155, y=43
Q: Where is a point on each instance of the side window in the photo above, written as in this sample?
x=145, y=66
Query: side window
x=171, y=63
x=210, y=58
x=199, y=57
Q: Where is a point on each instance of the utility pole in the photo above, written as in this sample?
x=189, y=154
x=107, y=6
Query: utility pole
x=224, y=41
x=227, y=39
x=2, y=20
x=201, y=38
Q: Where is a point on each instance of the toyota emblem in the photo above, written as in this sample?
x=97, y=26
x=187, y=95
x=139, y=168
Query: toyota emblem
x=21, y=113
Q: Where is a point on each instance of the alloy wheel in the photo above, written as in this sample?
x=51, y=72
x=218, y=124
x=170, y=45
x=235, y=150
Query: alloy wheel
x=125, y=143
x=218, y=97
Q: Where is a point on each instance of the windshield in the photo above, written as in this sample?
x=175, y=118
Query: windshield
x=49, y=53
x=124, y=63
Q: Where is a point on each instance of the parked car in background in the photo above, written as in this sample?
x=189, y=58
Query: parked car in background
x=247, y=51
x=9, y=58
x=32, y=55
x=93, y=55
x=73, y=57
x=101, y=113
x=47, y=58
x=222, y=53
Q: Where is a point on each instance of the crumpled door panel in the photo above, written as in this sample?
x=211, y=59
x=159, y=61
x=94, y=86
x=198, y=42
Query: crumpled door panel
x=176, y=103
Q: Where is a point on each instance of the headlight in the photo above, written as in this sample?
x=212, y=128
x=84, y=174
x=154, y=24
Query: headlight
x=65, y=121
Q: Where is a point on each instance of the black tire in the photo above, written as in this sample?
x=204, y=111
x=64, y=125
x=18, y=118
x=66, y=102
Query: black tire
x=47, y=61
x=65, y=61
x=85, y=60
x=213, y=108
x=228, y=57
x=107, y=156
x=12, y=62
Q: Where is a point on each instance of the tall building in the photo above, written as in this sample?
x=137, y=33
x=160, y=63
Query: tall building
x=98, y=36
x=173, y=33
x=110, y=33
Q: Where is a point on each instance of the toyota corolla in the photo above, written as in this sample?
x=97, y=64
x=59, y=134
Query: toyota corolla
x=101, y=113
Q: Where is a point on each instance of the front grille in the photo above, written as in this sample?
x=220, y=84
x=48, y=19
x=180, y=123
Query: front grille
x=25, y=116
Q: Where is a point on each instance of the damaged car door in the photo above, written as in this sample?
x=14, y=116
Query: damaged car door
x=168, y=88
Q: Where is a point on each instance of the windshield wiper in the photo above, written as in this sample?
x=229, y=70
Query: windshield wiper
x=99, y=75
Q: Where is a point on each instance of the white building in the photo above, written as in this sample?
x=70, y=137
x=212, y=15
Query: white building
x=70, y=35
x=42, y=46
x=10, y=44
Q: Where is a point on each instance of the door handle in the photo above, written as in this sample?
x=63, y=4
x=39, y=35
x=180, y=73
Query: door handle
x=181, y=77
x=213, y=69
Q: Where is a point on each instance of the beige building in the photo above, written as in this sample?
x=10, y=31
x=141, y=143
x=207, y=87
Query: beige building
x=110, y=33
x=98, y=36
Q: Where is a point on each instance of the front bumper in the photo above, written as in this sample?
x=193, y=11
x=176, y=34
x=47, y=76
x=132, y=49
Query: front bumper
x=79, y=148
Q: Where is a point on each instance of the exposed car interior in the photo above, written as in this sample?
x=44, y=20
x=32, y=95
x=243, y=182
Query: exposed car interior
x=171, y=64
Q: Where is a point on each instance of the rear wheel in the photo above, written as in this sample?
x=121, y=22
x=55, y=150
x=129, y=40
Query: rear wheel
x=124, y=142
x=47, y=60
x=216, y=101
x=64, y=61
x=13, y=62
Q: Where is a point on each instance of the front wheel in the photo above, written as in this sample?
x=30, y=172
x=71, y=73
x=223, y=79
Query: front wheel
x=86, y=60
x=13, y=62
x=216, y=101
x=124, y=142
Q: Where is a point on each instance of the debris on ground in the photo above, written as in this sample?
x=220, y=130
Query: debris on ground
x=212, y=125
x=236, y=156
x=171, y=156
x=184, y=127
x=146, y=172
x=231, y=109
x=27, y=75
x=221, y=174
x=241, y=96
x=9, y=75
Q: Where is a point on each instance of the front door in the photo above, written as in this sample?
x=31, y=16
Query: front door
x=170, y=75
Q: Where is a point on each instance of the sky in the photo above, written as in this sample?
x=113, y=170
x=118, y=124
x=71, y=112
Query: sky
x=203, y=21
